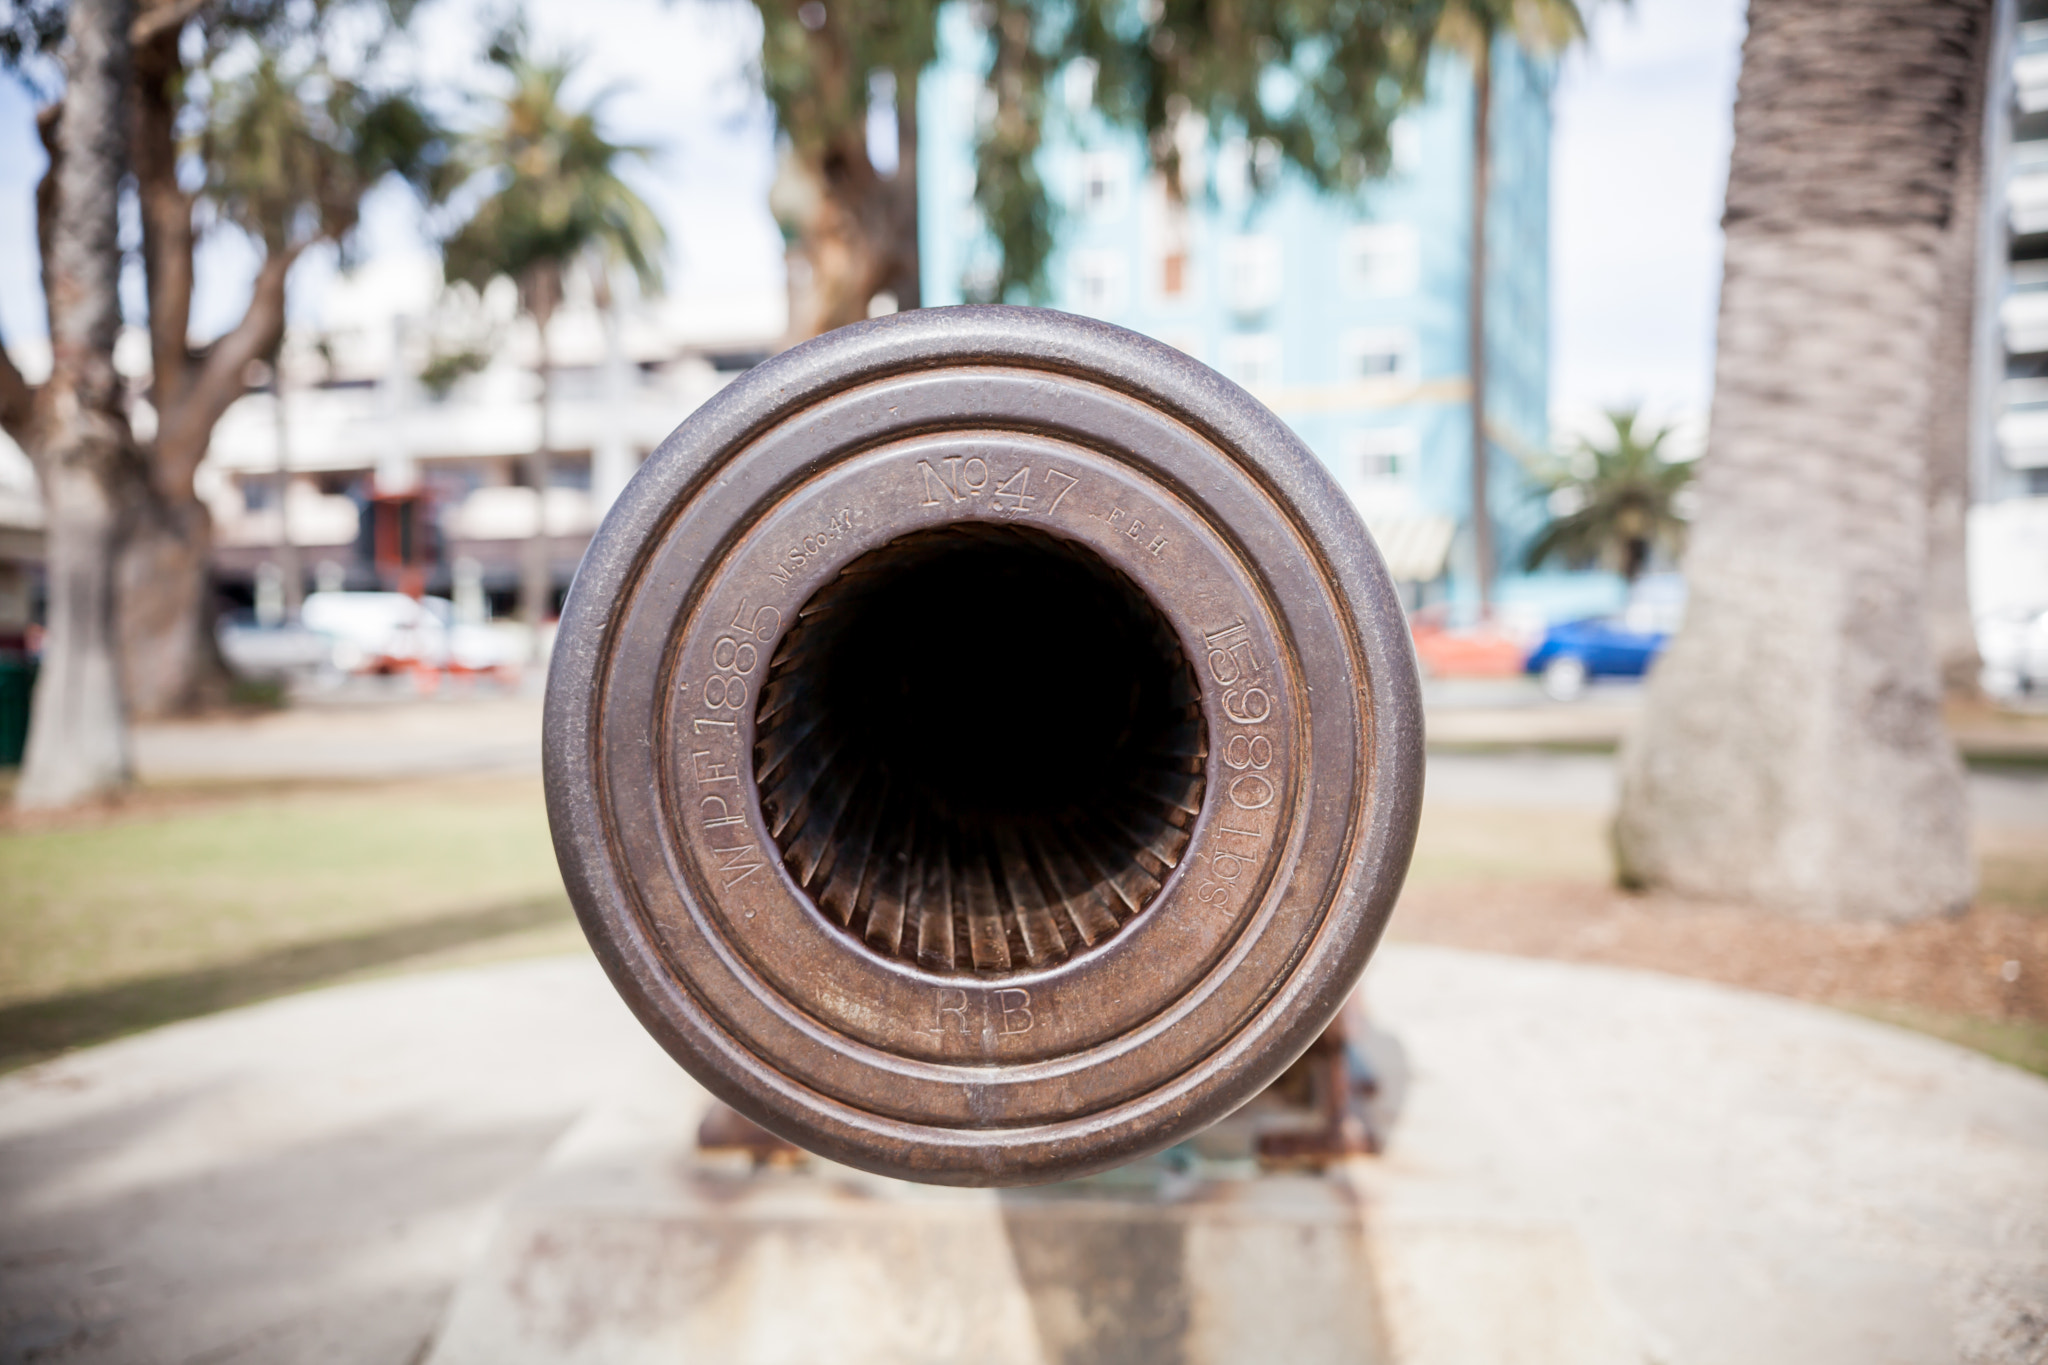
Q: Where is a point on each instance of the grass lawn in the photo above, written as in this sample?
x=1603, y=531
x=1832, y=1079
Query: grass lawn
x=181, y=903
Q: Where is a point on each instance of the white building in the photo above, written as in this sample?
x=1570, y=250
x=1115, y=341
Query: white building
x=2014, y=460
x=426, y=403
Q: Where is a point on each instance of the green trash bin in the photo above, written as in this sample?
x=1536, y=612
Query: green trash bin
x=17, y=681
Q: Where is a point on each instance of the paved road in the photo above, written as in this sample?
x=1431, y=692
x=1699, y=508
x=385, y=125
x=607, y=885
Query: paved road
x=366, y=738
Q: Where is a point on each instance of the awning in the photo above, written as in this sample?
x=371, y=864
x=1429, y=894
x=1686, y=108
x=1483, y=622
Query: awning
x=1415, y=547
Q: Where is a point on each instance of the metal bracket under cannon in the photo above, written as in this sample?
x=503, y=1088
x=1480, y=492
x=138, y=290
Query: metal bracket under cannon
x=984, y=746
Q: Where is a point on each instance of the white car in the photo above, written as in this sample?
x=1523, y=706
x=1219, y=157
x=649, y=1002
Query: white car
x=2014, y=646
x=378, y=632
x=486, y=646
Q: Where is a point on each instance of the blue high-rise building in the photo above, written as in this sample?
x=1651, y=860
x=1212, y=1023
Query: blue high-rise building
x=1345, y=314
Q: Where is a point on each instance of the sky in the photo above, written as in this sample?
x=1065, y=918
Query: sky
x=1640, y=159
x=1639, y=162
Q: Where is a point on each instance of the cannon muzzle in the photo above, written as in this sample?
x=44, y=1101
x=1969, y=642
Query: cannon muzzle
x=983, y=746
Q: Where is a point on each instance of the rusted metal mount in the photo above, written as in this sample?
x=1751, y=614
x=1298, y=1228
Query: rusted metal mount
x=983, y=746
x=1341, y=1087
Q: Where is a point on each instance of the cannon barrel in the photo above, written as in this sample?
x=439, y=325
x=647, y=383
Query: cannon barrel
x=983, y=746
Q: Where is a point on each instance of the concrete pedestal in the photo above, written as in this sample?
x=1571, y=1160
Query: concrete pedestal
x=628, y=1247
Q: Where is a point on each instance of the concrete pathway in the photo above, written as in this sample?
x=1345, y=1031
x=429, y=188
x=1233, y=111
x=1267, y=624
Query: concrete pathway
x=366, y=736
x=1589, y=1164
x=302, y=1180
x=1753, y=1179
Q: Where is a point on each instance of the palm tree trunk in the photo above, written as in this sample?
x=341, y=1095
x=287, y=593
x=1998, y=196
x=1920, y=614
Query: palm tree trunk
x=1950, y=410
x=78, y=733
x=536, y=578
x=287, y=548
x=611, y=463
x=1791, y=751
x=1475, y=317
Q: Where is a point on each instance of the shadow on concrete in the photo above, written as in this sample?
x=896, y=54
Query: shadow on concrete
x=37, y=1029
x=1148, y=1266
x=299, y=1251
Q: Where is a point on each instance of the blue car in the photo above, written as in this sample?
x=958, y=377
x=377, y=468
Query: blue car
x=1578, y=651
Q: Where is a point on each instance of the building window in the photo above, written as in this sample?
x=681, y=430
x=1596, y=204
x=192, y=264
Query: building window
x=1376, y=457
x=1379, y=356
x=1102, y=185
x=1253, y=360
x=1078, y=85
x=1404, y=140
x=1252, y=271
x=1377, y=469
x=1380, y=260
x=1099, y=280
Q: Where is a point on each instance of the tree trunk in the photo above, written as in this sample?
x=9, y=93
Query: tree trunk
x=170, y=657
x=1953, y=376
x=904, y=280
x=1475, y=317
x=171, y=662
x=855, y=229
x=166, y=213
x=1791, y=751
x=78, y=737
x=536, y=576
x=855, y=245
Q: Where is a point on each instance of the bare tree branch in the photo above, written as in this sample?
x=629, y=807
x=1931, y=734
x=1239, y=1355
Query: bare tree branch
x=46, y=192
x=166, y=217
x=17, y=395
x=184, y=427
x=17, y=403
x=160, y=19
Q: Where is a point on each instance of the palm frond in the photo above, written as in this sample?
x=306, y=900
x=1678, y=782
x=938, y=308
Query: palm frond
x=1625, y=500
x=559, y=196
x=290, y=151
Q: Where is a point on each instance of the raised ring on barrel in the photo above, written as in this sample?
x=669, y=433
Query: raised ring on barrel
x=982, y=746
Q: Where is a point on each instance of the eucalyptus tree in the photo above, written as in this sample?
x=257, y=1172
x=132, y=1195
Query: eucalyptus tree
x=557, y=201
x=74, y=424
x=852, y=230
x=1791, y=750
x=288, y=149
x=1320, y=82
x=1622, y=501
x=133, y=632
